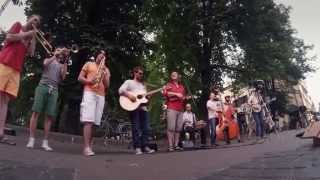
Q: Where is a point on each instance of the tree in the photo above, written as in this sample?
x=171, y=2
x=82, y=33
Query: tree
x=204, y=40
x=95, y=24
x=244, y=40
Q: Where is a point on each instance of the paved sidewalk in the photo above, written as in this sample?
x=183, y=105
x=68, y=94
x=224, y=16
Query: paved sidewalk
x=302, y=164
x=238, y=162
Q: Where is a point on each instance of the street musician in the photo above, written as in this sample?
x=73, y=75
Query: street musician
x=46, y=94
x=19, y=42
x=95, y=77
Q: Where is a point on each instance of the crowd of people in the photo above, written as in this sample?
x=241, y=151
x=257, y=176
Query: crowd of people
x=182, y=124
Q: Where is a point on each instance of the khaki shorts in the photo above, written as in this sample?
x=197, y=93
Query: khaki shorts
x=9, y=80
x=174, y=120
x=92, y=106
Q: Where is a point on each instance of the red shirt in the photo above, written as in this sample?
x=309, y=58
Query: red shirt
x=13, y=53
x=174, y=102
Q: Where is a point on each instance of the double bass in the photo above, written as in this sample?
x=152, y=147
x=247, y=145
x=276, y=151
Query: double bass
x=226, y=119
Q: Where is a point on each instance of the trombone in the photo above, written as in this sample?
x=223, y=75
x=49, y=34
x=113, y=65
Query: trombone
x=40, y=36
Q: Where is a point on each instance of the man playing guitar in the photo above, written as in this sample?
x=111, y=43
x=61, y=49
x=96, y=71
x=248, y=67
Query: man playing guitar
x=139, y=117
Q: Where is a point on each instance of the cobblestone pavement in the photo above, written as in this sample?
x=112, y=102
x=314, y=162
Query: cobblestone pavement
x=281, y=156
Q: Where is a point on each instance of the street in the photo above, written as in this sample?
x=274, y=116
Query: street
x=281, y=156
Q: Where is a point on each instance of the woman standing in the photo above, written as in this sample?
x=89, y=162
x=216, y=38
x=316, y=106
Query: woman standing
x=175, y=95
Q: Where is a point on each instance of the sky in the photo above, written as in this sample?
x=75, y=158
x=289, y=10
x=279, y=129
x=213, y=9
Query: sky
x=304, y=18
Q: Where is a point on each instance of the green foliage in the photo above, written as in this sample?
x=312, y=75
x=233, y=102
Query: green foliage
x=244, y=40
x=204, y=40
x=93, y=25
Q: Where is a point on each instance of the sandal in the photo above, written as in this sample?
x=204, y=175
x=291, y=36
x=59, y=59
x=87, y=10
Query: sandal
x=4, y=140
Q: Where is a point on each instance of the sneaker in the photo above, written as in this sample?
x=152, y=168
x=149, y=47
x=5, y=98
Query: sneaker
x=148, y=150
x=88, y=152
x=31, y=143
x=138, y=151
x=5, y=140
x=178, y=148
x=45, y=145
x=170, y=149
x=214, y=145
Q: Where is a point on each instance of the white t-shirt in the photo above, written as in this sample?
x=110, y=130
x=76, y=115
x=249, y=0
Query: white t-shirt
x=255, y=100
x=188, y=118
x=132, y=85
x=213, y=107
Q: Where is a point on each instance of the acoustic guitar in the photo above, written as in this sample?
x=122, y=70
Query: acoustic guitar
x=141, y=98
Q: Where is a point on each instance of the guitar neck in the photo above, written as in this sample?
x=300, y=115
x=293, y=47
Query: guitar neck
x=153, y=91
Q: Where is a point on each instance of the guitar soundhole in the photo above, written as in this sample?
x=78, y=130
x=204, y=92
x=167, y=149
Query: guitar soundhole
x=139, y=96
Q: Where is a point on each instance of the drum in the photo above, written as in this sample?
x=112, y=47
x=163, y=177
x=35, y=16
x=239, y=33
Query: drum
x=201, y=124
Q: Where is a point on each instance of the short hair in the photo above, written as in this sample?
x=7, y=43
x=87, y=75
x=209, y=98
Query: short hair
x=137, y=68
x=99, y=52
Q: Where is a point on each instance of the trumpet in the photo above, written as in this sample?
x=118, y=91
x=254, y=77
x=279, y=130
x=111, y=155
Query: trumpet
x=40, y=36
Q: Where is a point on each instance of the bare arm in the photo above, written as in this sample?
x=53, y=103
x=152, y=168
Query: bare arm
x=48, y=61
x=64, y=71
x=106, y=79
x=19, y=37
x=171, y=94
x=82, y=78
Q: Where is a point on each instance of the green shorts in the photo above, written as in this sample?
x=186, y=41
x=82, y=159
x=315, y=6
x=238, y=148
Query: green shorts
x=45, y=100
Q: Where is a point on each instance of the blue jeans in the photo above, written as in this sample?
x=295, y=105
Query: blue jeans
x=212, y=127
x=258, y=118
x=140, y=128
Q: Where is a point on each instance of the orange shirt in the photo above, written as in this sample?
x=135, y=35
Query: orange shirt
x=91, y=69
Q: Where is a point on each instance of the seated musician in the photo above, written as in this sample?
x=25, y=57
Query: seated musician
x=189, y=123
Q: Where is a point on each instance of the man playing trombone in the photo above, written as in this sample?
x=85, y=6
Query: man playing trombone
x=46, y=94
x=19, y=42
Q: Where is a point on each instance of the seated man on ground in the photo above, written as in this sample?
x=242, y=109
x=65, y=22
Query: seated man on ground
x=189, y=122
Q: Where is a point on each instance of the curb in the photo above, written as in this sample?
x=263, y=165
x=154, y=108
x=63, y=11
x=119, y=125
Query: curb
x=61, y=137
x=69, y=138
